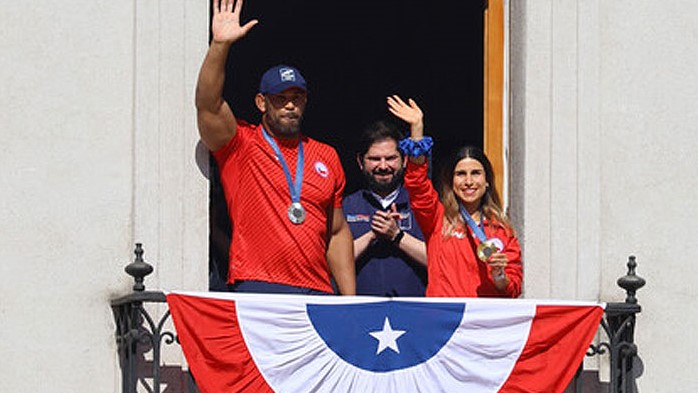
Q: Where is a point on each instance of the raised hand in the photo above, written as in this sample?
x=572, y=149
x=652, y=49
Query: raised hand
x=408, y=111
x=225, y=26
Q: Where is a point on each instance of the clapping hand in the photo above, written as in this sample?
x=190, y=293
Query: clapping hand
x=385, y=223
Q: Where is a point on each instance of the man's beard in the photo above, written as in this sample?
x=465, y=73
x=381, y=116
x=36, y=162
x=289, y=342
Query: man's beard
x=384, y=188
x=280, y=129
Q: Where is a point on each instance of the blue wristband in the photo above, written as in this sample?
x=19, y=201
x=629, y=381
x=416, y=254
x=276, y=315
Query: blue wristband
x=418, y=148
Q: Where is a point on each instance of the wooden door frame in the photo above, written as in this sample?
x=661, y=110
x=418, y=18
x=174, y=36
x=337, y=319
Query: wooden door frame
x=493, y=100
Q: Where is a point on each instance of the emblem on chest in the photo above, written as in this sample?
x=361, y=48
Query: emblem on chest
x=321, y=169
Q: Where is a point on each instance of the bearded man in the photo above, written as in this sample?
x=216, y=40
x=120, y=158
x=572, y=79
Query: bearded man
x=389, y=249
x=283, y=189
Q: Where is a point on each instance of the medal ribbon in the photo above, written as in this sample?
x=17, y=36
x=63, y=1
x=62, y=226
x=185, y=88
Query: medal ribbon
x=479, y=232
x=294, y=189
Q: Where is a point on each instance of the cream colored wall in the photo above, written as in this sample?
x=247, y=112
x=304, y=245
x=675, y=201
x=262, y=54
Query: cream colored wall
x=603, y=145
x=99, y=142
x=99, y=153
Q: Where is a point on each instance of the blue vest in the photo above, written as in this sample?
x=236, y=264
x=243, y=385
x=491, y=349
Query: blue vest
x=383, y=269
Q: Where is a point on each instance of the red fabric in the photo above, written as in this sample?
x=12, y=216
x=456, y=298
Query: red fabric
x=266, y=246
x=555, y=349
x=454, y=269
x=214, y=347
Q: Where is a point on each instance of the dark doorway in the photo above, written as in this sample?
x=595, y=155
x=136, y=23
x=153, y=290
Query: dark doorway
x=355, y=54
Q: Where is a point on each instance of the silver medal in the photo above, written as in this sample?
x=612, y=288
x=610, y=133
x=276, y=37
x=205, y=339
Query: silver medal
x=296, y=213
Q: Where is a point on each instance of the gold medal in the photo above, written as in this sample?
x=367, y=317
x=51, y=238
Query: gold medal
x=486, y=249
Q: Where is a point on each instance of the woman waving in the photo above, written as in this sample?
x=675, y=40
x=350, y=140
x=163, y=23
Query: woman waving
x=472, y=249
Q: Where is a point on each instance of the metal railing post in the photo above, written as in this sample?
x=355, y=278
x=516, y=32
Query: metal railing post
x=618, y=324
x=622, y=328
x=136, y=329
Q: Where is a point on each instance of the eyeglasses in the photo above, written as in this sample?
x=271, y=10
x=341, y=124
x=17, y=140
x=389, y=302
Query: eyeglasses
x=279, y=100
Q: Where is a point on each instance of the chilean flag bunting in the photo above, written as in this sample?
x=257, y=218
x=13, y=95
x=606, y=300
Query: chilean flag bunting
x=241, y=342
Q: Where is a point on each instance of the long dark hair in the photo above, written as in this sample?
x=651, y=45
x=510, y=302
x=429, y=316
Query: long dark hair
x=490, y=204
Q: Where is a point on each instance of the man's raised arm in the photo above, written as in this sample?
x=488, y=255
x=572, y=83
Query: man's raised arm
x=217, y=124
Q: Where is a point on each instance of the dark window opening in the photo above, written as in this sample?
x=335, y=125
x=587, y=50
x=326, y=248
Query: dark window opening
x=353, y=55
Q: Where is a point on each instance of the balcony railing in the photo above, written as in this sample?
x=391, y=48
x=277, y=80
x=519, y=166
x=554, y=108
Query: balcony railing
x=139, y=333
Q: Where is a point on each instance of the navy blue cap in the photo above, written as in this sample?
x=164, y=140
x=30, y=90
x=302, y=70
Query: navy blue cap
x=280, y=78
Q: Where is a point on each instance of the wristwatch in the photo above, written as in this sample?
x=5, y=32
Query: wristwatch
x=398, y=237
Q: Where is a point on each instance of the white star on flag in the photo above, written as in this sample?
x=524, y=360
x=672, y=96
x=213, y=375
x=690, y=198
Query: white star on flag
x=387, y=338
